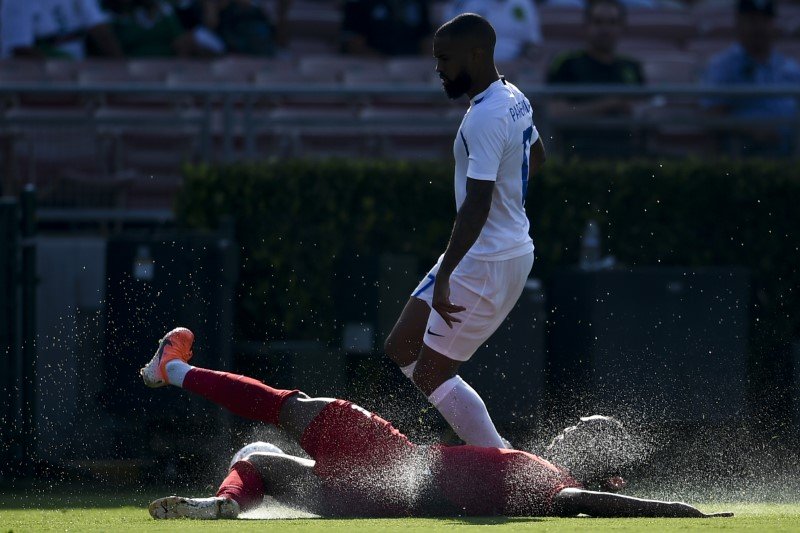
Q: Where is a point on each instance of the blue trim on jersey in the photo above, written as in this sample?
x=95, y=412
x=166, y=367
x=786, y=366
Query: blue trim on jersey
x=479, y=100
x=465, y=142
x=426, y=286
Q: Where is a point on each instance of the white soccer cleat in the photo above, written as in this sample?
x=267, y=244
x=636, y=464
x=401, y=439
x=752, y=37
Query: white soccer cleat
x=151, y=373
x=254, y=447
x=195, y=508
x=176, y=345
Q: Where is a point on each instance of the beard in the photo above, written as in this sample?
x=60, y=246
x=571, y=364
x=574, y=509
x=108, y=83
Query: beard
x=459, y=86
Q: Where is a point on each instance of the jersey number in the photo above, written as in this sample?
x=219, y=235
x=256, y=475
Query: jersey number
x=526, y=144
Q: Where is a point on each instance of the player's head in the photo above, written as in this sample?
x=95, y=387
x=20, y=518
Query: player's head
x=755, y=26
x=605, y=21
x=463, y=47
x=593, y=450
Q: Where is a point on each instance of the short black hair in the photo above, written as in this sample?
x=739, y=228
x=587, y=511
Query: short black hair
x=591, y=4
x=764, y=7
x=470, y=26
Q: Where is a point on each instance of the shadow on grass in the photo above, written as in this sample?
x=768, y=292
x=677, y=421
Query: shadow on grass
x=77, y=497
x=487, y=520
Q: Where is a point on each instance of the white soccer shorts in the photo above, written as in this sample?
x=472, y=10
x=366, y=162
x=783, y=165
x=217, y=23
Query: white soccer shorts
x=488, y=290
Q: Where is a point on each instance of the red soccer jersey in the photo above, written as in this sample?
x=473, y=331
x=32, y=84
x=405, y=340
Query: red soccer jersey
x=372, y=469
x=489, y=481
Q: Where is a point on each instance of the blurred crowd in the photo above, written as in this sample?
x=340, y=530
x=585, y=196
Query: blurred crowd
x=390, y=28
x=139, y=28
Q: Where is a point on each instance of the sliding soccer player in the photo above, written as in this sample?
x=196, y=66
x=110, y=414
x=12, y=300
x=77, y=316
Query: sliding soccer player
x=362, y=466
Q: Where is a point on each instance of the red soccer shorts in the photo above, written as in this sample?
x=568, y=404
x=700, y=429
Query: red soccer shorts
x=361, y=458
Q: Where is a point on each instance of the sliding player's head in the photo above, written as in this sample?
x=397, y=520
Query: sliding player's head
x=463, y=48
x=593, y=450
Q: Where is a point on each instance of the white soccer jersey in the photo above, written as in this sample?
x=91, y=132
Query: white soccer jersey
x=493, y=143
x=25, y=21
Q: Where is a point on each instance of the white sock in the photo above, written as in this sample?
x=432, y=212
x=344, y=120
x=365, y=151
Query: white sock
x=408, y=370
x=176, y=371
x=466, y=413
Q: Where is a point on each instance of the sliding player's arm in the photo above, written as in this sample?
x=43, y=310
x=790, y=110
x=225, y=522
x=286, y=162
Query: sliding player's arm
x=571, y=502
x=288, y=479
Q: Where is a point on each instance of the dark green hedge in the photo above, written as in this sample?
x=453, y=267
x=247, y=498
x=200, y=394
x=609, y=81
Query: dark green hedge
x=296, y=219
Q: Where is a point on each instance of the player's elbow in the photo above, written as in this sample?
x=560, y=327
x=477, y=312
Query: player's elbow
x=567, y=502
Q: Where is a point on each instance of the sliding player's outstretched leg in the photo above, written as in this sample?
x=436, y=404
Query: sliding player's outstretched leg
x=349, y=444
x=243, y=396
x=317, y=423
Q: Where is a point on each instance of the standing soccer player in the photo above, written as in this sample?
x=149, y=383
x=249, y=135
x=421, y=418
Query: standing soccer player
x=480, y=276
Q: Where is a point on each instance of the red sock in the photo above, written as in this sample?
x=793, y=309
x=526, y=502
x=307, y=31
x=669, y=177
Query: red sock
x=242, y=396
x=244, y=485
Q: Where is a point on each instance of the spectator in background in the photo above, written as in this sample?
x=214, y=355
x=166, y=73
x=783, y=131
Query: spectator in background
x=241, y=27
x=515, y=21
x=386, y=28
x=151, y=28
x=597, y=64
x=244, y=25
x=55, y=28
x=753, y=61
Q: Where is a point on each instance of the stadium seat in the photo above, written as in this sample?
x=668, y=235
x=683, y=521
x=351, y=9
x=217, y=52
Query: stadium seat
x=360, y=78
x=673, y=130
x=154, y=156
x=704, y=49
x=298, y=48
x=640, y=47
x=281, y=131
x=161, y=68
x=280, y=78
x=45, y=153
x=671, y=68
x=62, y=69
x=788, y=21
x=337, y=65
x=110, y=72
x=21, y=71
x=790, y=48
x=318, y=20
x=671, y=26
x=239, y=67
x=414, y=68
x=421, y=133
x=716, y=25
x=561, y=23
x=79, y=190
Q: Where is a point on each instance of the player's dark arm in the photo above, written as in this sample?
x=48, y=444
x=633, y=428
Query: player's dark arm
x=288, y=479
x=572, y=502
x=537, y=157
x=27, y=52
x=469, y=223
x=105, y=40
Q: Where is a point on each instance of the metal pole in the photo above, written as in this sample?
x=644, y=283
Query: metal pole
x=29, y=281
x=9, y=427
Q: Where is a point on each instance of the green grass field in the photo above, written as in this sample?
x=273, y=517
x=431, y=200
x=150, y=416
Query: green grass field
x=117, y=512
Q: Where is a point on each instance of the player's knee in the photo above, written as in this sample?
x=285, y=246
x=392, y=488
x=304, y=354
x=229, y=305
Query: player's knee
x=388, y=347
x=392, y=349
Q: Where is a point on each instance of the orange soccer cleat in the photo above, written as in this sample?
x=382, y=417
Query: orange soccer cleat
x=177, y=344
